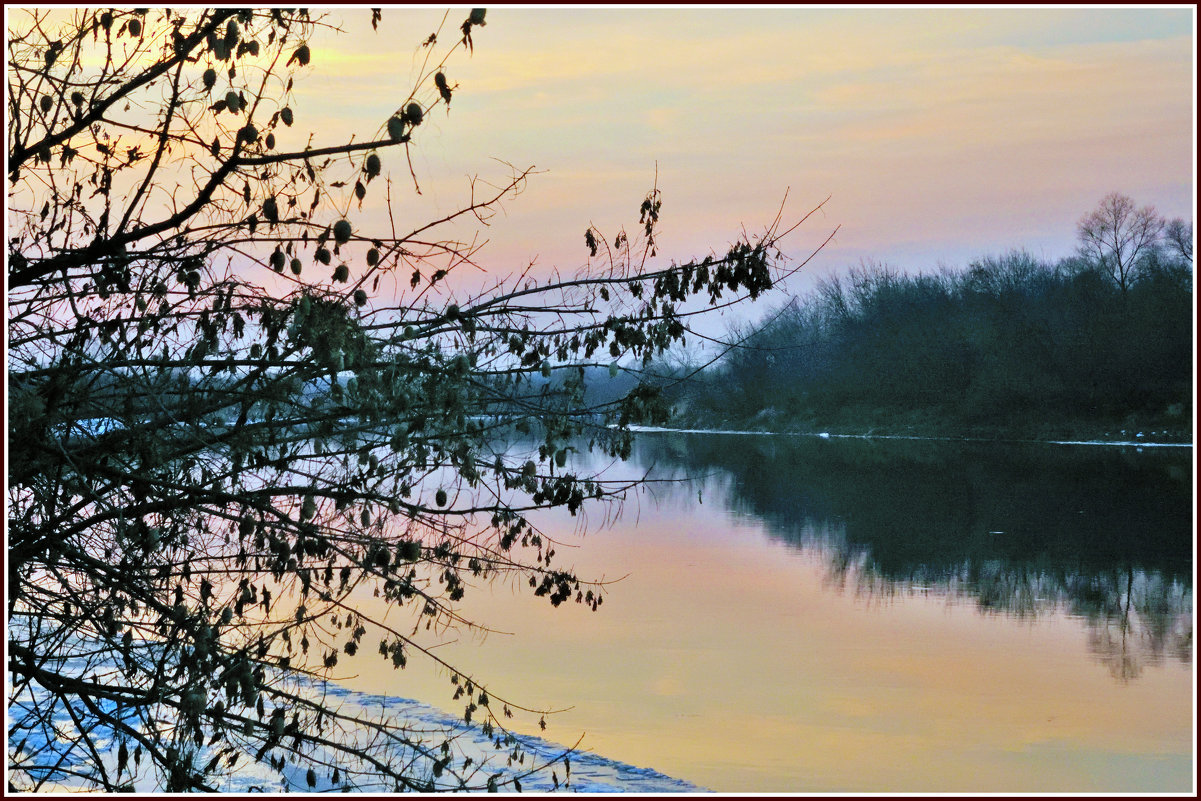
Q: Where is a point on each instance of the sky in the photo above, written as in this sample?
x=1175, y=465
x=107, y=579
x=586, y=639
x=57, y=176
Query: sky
x=937, y=135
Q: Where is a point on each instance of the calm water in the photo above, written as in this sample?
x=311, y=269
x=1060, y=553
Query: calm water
x=805, y=615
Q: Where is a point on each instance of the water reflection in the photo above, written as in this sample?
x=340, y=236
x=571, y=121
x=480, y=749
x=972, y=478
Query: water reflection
x=1102, y=535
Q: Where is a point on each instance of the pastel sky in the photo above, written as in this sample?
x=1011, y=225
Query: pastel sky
x=939, y=135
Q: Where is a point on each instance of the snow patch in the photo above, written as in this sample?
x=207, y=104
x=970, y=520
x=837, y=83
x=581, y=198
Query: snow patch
x=476, y=756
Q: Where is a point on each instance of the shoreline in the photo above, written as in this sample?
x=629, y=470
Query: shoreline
x=1135, y=443
x=589, y=771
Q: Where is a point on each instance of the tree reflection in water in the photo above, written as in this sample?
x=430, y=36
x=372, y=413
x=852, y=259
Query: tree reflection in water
x=1103, y=535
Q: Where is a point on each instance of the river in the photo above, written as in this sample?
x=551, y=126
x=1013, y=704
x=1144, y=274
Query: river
x=806, y=615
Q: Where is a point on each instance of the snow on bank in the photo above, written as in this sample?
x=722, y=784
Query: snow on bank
x=486, y=756
x=1135, y=444
x=661, y=430
x=1138, y=443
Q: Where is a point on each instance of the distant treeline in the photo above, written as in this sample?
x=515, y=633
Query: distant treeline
x=1012, y=343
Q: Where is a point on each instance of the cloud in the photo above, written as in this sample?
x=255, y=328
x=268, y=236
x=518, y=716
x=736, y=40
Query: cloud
x=938, y=133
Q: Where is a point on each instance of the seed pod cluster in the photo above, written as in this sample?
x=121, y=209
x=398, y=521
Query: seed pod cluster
x=396, y=129
x=342, y=232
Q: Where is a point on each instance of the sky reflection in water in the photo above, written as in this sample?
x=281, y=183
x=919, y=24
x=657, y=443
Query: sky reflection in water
x=858, y=616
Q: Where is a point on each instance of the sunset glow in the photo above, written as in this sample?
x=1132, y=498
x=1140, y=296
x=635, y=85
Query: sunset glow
x=939, y=135
x=601, y=399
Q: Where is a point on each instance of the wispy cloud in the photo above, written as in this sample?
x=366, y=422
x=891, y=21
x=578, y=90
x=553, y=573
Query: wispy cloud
x=938, y=133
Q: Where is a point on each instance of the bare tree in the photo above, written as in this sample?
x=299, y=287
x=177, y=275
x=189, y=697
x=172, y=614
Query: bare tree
x=232, y=412
x=1115, y=235
x=1178, y=235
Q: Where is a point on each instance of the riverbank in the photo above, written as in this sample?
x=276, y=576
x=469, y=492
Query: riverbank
x=541, y=766
x=1133, y=431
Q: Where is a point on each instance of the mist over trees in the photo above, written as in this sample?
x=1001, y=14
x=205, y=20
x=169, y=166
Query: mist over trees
x=235, y=412
x=1099, y=339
